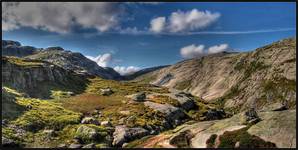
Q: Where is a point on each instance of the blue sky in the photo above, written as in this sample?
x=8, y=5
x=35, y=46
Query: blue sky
x=143, y=35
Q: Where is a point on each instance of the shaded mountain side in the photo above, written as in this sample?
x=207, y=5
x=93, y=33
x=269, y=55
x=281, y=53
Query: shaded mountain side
x=66, y=59
x=39, y=78
x=236, y=80
x=142, y=72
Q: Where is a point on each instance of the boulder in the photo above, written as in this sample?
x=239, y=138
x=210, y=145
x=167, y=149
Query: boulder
x=62, y=146
x=214, y=114
x=73, y=145
x=49, y=133
x=124, y=134
x=249, y=117
x=106, y=92
x=90, y=120
x=173, y=114
x=106, y=123
x=139, y=97
x=86, y=133
x=185, y=100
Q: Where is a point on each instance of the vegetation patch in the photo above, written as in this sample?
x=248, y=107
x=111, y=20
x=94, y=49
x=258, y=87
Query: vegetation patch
x=230, y=138
x=21, y=62
x=183, y=85
x=162, y=99
x=44, y=114
x=211, y=141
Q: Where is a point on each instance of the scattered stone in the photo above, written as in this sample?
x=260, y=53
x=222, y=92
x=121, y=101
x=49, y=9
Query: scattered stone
x=4, y=122
x=139, y=97
x=124, y=145
x=250, y=117
x=106, y=123
x=237, y=144
x=49, y=133
x=29, y=107
x=90, y=120
x=91, y=145
x=125, y=112
x=75, y=145
x=124, y=134
x=106, y=92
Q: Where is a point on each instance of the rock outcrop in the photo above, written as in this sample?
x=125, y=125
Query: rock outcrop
x=124, y=134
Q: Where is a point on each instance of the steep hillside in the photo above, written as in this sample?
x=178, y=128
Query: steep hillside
x=39, y=78
x=14, y=48
x=237, y=80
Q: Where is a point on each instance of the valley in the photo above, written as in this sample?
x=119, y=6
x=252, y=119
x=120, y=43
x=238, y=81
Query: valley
x=53, y=98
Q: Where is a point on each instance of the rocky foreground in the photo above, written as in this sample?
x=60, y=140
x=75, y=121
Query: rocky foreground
x=249, y=101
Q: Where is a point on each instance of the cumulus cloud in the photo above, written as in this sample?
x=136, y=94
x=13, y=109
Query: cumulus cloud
x=126, y=70
x=218, y=48
x=102, y=60
x=192, y=51
x=61, y=16
x=184, y=21
x=158, y=24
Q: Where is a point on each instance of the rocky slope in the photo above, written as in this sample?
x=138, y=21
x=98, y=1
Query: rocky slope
x=39, y=78
x=236, y=80
x=60, y=57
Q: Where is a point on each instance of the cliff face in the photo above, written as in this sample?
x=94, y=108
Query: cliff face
x=237, y=80
x=38, y=78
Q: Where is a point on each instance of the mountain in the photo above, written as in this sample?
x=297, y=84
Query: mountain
x=39, y=79
x=143, y=71
x=236, y=80
x=66, y=59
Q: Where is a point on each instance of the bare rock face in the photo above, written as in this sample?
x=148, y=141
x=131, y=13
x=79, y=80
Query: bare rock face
x=139, y=97
x=124, y=134
x=27, y=76
x=240, y=79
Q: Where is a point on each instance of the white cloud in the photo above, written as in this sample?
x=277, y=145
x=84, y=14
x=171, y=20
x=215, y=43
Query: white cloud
x=60, y=16
x=126, y=70
x=192, y=51
x=102, y=60
x=218, y=48
x=184, y=21
x=158, y=24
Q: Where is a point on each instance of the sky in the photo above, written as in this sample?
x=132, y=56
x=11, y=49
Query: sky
x=133, y=36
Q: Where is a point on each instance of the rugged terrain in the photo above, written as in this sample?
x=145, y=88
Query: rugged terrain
x=54, y=98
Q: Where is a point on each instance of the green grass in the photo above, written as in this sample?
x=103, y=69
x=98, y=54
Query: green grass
x=22, y=62
x=45, y=114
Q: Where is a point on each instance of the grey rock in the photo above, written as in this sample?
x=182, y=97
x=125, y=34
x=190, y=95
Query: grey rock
x=49, y=133
x=139, y=97
x=106, y=123
x=86, y=133
x=8, y=142
x=91, y=145
x=62, y=146
x=249, y=117
x=185, y=99
x=124, y=134
x=75, y=145
x=106, y=92
x=90, y=120
x=276, y=107
x=171, y=113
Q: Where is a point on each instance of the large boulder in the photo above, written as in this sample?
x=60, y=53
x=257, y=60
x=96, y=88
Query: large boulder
x=139, y=97
x=86, y=133
x=173, y=114
x=106, y=92
x=124, y=134
x=249, y=117
x=214, y=114
x=90, y=120
x=8, y=142
x=185, y=99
